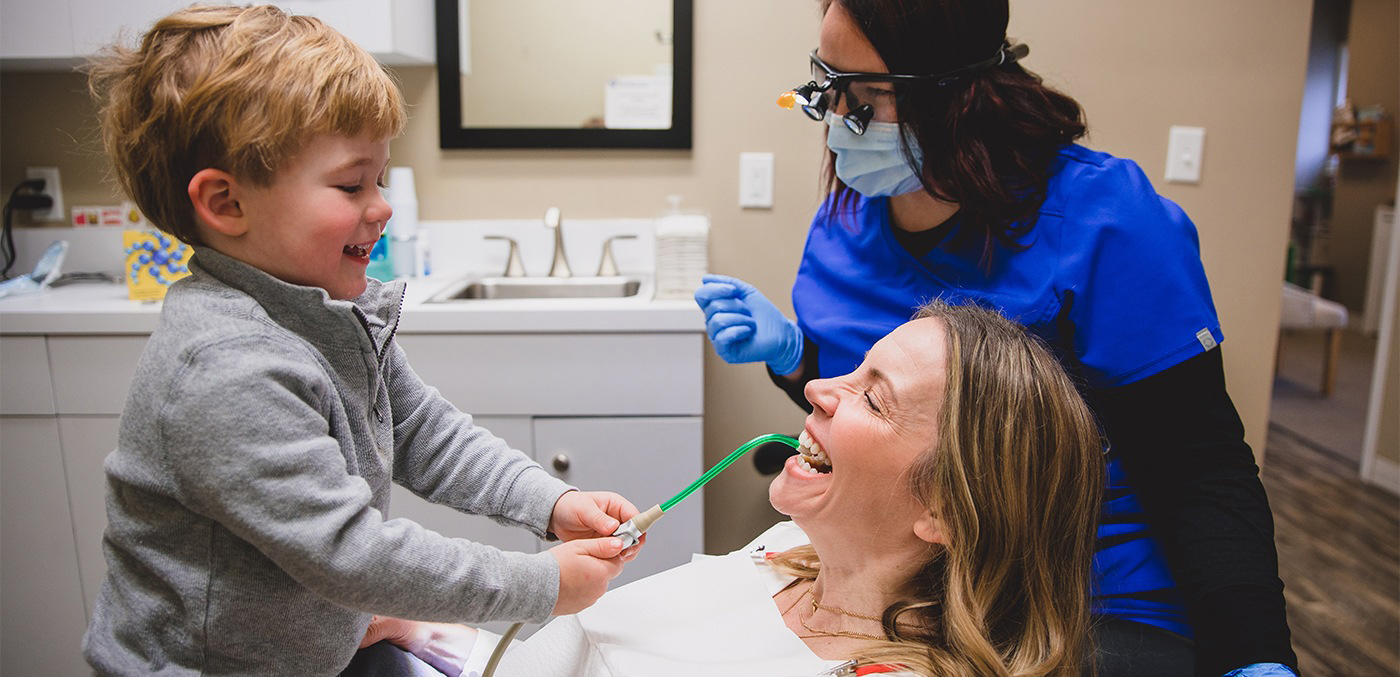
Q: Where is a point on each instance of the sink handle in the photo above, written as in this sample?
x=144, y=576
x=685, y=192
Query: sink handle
x=607, y=266
x=514, y=266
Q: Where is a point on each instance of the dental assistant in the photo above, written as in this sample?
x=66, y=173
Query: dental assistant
x=957, y=177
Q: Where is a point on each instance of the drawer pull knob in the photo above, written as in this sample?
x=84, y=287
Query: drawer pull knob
x=561, y=462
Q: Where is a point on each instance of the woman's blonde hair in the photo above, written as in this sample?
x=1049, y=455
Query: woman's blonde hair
x=1015, y=478
x=240, y=89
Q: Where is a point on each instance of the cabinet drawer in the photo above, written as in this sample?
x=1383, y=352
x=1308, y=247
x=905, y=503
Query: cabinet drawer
x=563, y=374
x=25, y=387
x=91, y=374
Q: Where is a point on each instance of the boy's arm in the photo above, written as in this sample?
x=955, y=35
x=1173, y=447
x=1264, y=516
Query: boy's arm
x=245, y=432
x=441, y=455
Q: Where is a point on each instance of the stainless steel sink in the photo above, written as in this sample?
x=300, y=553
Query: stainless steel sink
x=502, y=288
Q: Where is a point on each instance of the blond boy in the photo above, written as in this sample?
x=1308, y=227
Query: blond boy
x=248, y=497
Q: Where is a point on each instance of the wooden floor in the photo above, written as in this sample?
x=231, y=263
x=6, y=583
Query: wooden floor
x=1339, y=557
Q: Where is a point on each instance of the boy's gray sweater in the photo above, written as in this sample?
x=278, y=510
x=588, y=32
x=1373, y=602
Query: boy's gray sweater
x=248, y=498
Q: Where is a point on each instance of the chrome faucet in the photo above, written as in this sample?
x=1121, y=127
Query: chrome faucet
x=514, y=266
x=560, y=267
x=607, y=267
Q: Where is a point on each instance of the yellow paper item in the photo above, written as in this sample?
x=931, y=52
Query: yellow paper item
x=153, y=260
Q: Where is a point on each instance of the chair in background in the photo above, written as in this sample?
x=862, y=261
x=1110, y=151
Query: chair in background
x=1303, y=309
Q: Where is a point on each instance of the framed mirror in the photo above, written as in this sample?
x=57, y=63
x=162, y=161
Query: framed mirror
x=564, y=73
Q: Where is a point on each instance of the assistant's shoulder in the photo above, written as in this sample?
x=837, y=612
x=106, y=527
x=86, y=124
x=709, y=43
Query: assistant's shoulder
x=1098, y=193
x=1083, y=174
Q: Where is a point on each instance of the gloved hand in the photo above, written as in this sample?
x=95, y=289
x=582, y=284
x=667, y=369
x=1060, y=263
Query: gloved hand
x=745, y=326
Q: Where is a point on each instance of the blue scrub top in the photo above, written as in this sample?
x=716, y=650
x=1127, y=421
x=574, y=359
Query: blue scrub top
x=1110, y=276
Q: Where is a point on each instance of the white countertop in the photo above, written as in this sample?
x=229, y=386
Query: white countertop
x=103, y=308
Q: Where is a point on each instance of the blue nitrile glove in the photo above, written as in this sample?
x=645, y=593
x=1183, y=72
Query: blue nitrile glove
x=1262, y=670
x=744, y=326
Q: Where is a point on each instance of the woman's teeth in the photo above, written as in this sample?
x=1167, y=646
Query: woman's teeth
x=357, y=250
x=810, y=455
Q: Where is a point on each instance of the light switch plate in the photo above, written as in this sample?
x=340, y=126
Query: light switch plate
x=1185, y=154
x=756, y=180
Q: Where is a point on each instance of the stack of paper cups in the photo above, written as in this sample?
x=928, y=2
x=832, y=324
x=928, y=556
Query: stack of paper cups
x=682, y=254
x=403, y=225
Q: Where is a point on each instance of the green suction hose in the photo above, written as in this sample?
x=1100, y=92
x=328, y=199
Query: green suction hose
x=631, y=531
x=732, y=457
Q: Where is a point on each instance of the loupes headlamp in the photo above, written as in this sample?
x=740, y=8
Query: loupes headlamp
x=863, y=91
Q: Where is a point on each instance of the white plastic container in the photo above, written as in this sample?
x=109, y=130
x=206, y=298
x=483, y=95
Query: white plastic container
x=682, y=252
x=403, y=225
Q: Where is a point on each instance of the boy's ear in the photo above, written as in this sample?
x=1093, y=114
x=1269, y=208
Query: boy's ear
x=214, y=194
x=929, y=529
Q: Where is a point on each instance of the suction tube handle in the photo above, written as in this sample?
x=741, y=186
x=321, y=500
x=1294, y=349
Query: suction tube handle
x=631, y=531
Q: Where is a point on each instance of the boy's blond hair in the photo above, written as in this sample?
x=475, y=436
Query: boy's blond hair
x=240, y=89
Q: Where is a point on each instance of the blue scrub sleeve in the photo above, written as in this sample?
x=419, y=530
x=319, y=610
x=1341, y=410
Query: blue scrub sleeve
x=1141, y=302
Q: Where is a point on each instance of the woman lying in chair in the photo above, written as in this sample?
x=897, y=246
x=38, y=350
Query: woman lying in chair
x=943, y=509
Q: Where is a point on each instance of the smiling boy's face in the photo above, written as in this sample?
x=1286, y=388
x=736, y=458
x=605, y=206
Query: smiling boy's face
x=316, y=223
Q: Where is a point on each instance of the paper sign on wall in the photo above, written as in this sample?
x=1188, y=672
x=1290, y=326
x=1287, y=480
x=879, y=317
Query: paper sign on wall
x=638, y=102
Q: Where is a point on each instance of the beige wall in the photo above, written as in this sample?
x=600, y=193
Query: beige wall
x=1373, y=77
x=1138, y=66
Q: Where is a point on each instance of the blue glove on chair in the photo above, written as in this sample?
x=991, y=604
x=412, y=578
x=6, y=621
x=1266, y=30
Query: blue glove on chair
x=1262, y=670
x=745, y=326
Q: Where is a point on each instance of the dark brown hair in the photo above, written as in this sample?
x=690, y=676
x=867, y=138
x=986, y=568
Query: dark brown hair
x=988, y=140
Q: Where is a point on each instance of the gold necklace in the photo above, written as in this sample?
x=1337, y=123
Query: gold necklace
x=818, y=605
x=830, y=633
x=790, y=586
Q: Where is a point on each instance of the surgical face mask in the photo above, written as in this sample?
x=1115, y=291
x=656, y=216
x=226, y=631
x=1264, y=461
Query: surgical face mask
x=873, y=163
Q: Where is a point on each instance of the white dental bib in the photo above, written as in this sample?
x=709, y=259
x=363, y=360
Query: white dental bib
x=714, y=616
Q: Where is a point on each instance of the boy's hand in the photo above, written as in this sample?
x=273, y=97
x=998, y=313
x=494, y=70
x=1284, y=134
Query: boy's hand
x=592, y=514
x=444, y=646
x=585, y=567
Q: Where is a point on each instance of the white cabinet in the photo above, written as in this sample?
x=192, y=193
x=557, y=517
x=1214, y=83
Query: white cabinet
x=26, y=387
x=86, y=442
x=397, y=32
x=96, y=24
x=41, y=605
x=59, y=35
x=60, y=397
x=36, y=29
x=91, y=374
x=603, y=374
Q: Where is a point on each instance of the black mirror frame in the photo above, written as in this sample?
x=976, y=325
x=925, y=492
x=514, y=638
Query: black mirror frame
x=453, y=135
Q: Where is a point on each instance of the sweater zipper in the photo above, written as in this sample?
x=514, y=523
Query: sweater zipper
x=380, y=352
